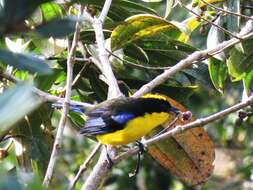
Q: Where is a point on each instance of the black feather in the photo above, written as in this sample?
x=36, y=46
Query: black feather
x=115, y=116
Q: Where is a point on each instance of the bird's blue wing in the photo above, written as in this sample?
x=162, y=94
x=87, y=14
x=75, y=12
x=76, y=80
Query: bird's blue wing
x=105, y=123
x=97, y=126
x=122, y=118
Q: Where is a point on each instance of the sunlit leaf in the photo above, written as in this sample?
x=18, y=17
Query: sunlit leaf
x=17, y=46
x=218, y=73
x=45, y=82
x=215, y=37
x=50, y=47
x=138, y=27
x=239, y=65
x=51, y=10
x=202, y=4
x=190, y=24
x=248, y=79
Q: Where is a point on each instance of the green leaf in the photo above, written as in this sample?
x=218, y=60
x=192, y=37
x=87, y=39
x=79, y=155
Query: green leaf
x=159, y=52
x=190, y=24
x=14, y=12
x=218, y=73
x=233, y=21
x=215, y=37
x=136, y=78
x=50, y=11
x=169, y=5
x=76, y=119
x=37, y=143
x=239, y=65
x=89, y=36
x=200, y=75
x=246, y=46
x=135, y=52
x=26, y=62
x=44, y=82
x=248, y=81
x=57, y=28
x=139, y=27
x=15, y=103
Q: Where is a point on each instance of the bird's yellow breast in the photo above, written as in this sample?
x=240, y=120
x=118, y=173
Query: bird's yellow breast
x=134, y=129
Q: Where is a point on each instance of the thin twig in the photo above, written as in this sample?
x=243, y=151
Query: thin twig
x=61, y=126
x=83, y=167
x=113, y=88
x=105, y=11
x=226, y=11
x=180, y=128
x=212, y=23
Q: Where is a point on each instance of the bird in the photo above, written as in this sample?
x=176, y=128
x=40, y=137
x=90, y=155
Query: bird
x=126, y=120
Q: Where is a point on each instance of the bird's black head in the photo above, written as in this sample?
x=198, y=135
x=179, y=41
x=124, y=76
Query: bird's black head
x=158, y=103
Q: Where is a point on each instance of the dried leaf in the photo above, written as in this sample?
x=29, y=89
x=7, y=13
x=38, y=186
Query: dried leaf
x=188, y=155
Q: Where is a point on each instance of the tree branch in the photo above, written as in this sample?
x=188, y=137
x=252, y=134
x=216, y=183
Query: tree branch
x=65, y=110
x=113, y=88
x=105, y=11
x=101, y=169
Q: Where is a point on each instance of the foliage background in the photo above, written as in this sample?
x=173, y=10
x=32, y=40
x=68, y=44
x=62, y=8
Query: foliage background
x=34, y=49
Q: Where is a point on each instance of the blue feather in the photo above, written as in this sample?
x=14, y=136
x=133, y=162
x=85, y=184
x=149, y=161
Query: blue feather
x=123, y=117
x=95, y=122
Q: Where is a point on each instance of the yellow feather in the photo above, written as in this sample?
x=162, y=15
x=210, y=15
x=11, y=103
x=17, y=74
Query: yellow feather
x=135, y=129
x=156, y=96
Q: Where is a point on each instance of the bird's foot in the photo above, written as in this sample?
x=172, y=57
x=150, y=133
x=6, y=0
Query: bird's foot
x=140, y=152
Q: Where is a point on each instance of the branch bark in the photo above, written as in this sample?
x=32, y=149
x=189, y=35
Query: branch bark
x=65, y=110
x=101, y=169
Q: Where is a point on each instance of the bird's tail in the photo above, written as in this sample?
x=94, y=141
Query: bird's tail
x=73, y=107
